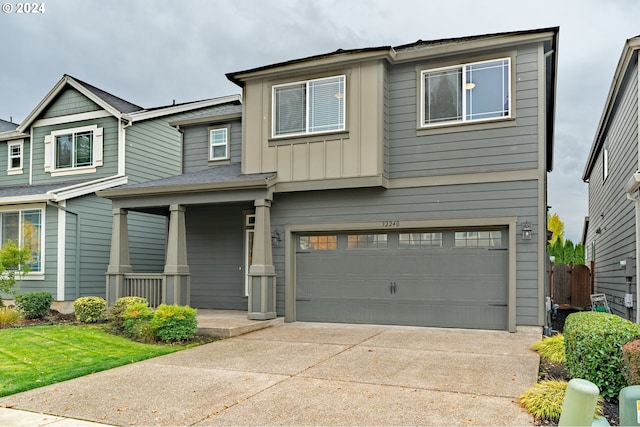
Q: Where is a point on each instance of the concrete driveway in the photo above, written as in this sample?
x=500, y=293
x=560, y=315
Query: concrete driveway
x=311, y=374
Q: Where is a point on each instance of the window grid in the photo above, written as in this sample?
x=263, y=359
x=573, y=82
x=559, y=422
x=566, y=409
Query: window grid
x=367, y=241
x=318, y=243
x=478, y=239
x=15, y=156
x=420, y=240
x=218, y=139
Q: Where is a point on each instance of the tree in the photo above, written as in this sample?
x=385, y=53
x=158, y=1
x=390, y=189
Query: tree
x=555, y=225
x=14, y=264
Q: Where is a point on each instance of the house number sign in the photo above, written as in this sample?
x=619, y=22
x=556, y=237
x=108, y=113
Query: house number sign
x=391, y=224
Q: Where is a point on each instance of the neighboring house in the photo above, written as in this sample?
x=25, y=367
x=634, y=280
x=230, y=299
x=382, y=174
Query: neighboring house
x=78, y=140
x=394, y=185
x=612, y=230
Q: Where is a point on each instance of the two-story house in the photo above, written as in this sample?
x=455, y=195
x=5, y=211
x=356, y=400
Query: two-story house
x=393, y=185
x=80, y=139
x=612, y=171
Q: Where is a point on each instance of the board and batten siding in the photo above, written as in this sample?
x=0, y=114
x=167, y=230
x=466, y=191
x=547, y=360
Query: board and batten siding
x=469, y=201
x=196, y=145
x=215, y=244
x=609, y=209
x=68, y=102
x=110, y=151
x=457, y=149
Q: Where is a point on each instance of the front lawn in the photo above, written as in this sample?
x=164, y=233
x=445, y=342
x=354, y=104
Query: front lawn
x=32, y=357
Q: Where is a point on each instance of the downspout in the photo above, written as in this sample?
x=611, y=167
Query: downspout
x=77, y=269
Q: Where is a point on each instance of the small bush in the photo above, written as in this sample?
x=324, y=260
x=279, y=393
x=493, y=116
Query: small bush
x=9, y=317
x=135, y=317
x=90, y=309
x=551, y=348
x=631, y=360
x=545, y=399
x=174, y=323
x=118, y=308
x=34, y=305
x=593, y=348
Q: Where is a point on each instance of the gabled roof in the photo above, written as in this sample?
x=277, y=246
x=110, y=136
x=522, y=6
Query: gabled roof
x=116, y=106
x=6, y=126
x=628, y=57
x=12, y=194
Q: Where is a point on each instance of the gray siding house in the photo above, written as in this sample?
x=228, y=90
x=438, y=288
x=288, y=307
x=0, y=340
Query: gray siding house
x=392, y=185
x=78, y=140
x=612, y=229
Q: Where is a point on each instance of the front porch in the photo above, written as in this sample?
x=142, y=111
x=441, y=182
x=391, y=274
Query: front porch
x=230, y=323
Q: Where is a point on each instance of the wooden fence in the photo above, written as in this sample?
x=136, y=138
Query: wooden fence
x=571, y=285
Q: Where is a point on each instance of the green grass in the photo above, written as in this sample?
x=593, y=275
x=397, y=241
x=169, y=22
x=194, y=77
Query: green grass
x=32, y=357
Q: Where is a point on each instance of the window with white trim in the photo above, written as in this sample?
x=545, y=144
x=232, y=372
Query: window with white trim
x=77, y=149
x=218, y=143
x=466, y=93
x=24, y=227
x=15, y=156
x=309, y=107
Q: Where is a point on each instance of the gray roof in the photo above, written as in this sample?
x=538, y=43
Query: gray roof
x=6, y=126
x=32, y=190
x=117, y=103
x=217, y=174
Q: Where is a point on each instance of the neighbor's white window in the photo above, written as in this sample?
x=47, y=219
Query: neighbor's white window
x=73, y=149
x=24, y=227
x=466, y=93
x=308, y=107
x=218, y=144
x=15, y=156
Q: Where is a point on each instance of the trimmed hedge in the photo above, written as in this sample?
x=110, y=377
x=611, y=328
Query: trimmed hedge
x=118, y=308
x=631, y=359
x=34, y=305
x=174, y=322
x=90, y=309
x=593, y=348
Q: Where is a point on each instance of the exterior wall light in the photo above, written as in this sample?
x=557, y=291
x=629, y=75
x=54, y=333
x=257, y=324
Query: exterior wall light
x=526, y=231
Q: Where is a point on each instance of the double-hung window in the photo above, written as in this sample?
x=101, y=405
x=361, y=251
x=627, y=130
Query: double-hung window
x=218, y=143
x=77, y=149
x=309, y=107
x=466, y=93
x=24, y=227
x=15, y=157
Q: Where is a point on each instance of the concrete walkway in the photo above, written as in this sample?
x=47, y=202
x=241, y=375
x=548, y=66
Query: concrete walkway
x=305, y=374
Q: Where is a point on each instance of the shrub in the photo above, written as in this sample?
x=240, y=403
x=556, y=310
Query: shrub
x=593, y=348
x=135, y=317
x=34, y=305
x=8, y=317
x=551, y=348
x=90, y=309
x=631, y=360
x=118, y=308
x=174, y=322
x=545, y=399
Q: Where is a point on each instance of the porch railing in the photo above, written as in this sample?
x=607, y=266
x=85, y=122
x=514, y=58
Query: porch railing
x=146, y=285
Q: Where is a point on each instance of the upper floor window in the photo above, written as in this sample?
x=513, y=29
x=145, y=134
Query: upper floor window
x=308, y=107
x=24, y=227
x=71, y=150
x=15, y=157
x=218, y=144
x=465, y=93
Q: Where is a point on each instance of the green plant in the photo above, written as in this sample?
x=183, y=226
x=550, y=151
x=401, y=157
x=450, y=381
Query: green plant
x=134, y=317
x=174, y=322
x=593, y=347
x=631, y=360
x=551, y=348
x=8, y=317
x=544, y=400
x=90, y=309
x=34, y=305
x=14, y=264
x=117, y=309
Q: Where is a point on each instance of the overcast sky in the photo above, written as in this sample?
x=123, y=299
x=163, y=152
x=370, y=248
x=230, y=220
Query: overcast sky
x=151, y=52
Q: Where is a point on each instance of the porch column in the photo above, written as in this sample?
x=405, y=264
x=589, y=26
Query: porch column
x=176, y=286
x=119, y=263
x=262, y=274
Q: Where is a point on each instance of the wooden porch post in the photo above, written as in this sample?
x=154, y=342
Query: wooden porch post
x=119, y=262
x=262, y=274
x=176, y=287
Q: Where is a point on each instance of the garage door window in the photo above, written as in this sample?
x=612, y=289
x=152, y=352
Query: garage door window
x=420, y=240
x=367, y=241
x=318, y=243
x=478, y=239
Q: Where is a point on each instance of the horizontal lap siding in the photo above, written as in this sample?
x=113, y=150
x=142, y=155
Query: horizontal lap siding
x=486, y=200
x=456, y=150
x=609, y=209
x=70, y=101
x=196, y=146
x=17, y=179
